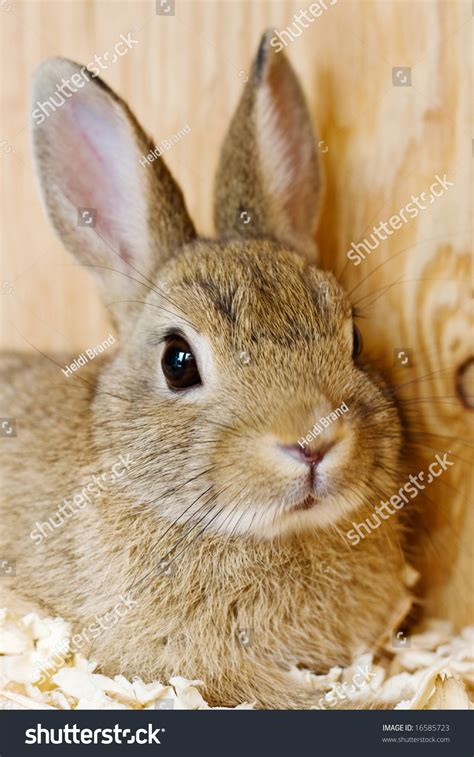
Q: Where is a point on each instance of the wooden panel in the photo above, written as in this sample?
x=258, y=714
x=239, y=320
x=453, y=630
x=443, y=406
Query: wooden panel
x=380, y=143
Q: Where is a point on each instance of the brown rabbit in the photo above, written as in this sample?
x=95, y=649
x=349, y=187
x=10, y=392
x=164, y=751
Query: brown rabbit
x=225, y=529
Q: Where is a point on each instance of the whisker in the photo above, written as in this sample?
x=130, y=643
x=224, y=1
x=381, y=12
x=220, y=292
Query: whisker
x=400, y=252
x=385, y=288
x=153, y=305
x=78, y=378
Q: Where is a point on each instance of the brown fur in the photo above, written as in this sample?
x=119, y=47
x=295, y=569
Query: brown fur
x=207, y=489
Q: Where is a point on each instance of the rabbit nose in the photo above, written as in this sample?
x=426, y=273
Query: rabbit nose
x=306, y=454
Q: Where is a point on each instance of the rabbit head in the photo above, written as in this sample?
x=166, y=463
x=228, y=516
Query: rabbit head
x=230, y=350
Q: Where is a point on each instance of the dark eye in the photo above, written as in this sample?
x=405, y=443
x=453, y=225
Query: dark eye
x=179, y=364
x=357, y=344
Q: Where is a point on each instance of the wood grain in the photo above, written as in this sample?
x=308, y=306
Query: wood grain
x=379, y=144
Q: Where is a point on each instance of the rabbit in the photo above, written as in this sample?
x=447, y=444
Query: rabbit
x=224, y=541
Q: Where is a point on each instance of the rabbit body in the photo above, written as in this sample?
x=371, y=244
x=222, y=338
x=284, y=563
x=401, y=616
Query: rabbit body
x=226, y=566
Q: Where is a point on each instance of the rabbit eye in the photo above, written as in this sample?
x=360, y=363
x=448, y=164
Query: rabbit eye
x=357, y=342
x=179, y=364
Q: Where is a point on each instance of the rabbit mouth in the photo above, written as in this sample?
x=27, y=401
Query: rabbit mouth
x=306, y=504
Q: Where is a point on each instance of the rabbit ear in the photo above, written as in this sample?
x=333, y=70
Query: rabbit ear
x=115, y=211
x=268, y=180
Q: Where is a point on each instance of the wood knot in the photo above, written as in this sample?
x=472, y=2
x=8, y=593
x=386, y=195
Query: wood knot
x=465, y=383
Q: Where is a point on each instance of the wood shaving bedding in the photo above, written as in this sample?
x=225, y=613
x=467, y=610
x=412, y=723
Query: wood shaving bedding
x=436, y=671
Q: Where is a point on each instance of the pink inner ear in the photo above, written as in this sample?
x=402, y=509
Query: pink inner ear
x=97, y=166
x=287, y=146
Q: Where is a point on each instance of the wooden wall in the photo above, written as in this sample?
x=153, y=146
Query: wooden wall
x=379, y=144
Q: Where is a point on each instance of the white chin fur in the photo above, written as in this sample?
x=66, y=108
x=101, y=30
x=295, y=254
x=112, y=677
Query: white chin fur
x=266, y=521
